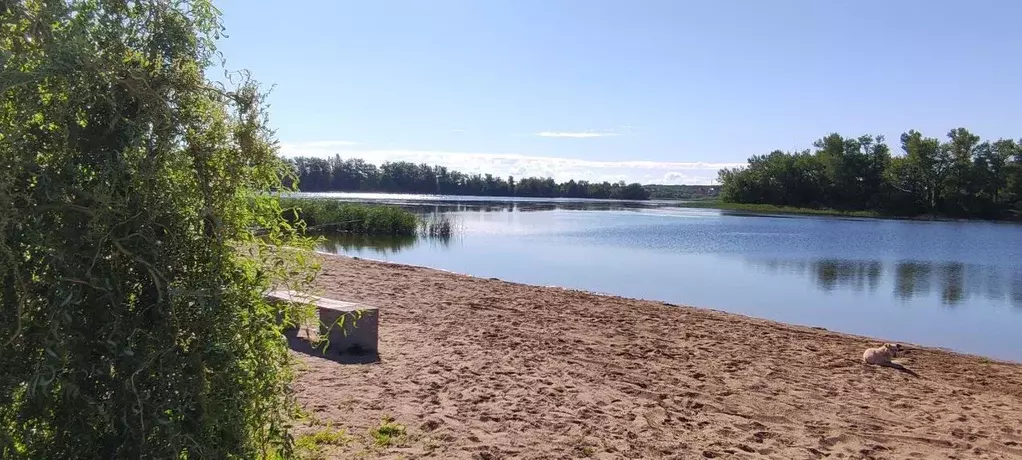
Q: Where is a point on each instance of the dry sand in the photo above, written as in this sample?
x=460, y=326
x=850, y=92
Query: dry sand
x=485, y=369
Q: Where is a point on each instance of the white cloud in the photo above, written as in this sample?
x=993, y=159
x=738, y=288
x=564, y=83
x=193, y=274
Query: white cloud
x=675, y=177
x=518, y=165
x=574, y=134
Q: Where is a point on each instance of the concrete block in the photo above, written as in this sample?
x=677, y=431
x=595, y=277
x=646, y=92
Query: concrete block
x=348, y=326
x=351, y=327
x=290, y=330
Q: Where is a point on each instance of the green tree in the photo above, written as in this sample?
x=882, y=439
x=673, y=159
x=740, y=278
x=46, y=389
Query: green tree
x=840, y=183
x=960, y=187
x=1013, y=174
x=878, y=160
x=132, y=322
x=927, y=167
x=994, y=168
x=962, y=177
x=910, y=195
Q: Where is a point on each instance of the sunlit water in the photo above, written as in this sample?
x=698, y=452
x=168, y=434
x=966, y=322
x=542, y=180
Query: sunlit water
x=948, y=284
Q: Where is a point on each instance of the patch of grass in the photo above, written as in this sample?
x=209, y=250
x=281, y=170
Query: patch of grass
x=388, y=433
x=323, y=215
x=312, y=445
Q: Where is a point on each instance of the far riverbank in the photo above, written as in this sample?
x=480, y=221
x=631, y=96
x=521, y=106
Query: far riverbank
x=774, y=209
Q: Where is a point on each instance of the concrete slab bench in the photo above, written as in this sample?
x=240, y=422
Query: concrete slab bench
x=349, y=326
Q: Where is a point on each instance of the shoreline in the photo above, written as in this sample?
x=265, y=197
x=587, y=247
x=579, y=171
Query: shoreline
x=769, y=209
x=749, y=208
x=479, y=368
x=608, y=295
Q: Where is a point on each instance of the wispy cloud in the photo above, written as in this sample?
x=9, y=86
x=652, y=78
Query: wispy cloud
x=518, y=165
x=329, y=144
x=575, y=134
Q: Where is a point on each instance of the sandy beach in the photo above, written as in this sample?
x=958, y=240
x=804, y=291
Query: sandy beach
x=486, y=369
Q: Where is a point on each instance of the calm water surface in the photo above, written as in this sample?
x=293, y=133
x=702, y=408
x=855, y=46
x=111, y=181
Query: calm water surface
x=956, y=285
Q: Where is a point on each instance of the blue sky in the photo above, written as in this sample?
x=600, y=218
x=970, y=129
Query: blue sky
x=651, y=91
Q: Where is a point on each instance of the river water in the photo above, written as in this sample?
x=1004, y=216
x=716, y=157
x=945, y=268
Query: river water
x=956, y=285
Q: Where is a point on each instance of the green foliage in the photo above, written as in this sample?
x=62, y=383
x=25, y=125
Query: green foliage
x=963, y=177
x=132, y=322
x=335, y=174
x=334, y=216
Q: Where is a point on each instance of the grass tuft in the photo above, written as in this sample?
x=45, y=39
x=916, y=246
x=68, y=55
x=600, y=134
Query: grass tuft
x=312, y=445
x=437, y=226
x=388, y=433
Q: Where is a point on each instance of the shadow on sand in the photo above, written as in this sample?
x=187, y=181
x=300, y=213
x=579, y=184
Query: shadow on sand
x=902, y=369
x=307, y=346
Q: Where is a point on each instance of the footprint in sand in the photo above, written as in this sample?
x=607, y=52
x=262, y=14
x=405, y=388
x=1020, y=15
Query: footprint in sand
x=831, y=441
x=761, y=436
x=431, y=425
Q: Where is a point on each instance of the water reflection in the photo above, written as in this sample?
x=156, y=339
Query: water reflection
x=339, y=243
x=953, y=282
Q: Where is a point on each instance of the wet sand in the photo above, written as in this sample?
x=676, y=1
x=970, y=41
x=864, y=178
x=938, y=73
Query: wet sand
x=486, y=369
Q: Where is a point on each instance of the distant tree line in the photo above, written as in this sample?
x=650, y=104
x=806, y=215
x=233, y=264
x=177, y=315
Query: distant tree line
x=335, y=174
x=960, y=177
x=681, y=192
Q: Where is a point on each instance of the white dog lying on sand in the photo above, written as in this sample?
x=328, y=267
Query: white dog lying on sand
x=882, y=355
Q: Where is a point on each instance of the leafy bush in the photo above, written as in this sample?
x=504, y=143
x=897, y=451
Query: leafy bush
x=335, y=216
x=132, y=322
